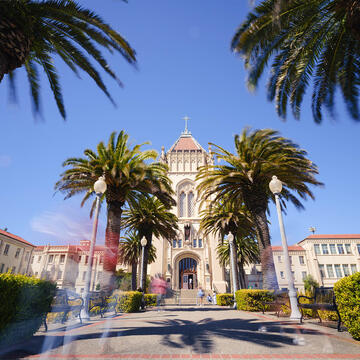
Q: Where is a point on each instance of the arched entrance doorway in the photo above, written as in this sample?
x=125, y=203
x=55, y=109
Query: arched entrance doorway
x=188, y=273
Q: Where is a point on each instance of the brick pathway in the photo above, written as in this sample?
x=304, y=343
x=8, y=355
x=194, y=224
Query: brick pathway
x=188, y=333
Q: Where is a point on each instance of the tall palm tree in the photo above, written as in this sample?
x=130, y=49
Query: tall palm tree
x=130, y=252
x=33, y=31
x=227, y=217
x=247, y=253
x=127, y=174
x=245, y=177
x=149, y=217
x=304, y=40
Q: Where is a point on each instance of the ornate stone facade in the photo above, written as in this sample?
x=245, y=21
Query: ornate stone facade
x=189, y=260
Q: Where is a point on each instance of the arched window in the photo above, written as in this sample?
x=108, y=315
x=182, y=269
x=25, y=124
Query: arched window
x=191, y=204
x=182, y=204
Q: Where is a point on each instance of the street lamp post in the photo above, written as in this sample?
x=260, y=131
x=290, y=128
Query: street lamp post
x=276, y=187
x=143, y=244
x=99, y=188
x=233, y=264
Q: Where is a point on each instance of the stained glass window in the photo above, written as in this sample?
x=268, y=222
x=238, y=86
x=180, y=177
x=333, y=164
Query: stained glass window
x=182, y=205
x=190, y=204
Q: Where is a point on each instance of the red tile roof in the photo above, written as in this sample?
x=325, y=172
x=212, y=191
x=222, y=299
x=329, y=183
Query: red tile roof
x=15, y=237
x=71, y=247
x=334, y=236
x=186, y=143
x=291, y=248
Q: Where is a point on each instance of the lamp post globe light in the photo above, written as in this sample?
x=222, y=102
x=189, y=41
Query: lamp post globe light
x=233, y=264
x=99, y=188
x=275, y=186
x=143, y=244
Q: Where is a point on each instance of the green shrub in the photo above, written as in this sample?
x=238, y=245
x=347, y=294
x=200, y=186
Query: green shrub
x=150, y=299
x=24, y=302
x=347, y=292
x=225, y=299
x=129, y=301
x=252, y=300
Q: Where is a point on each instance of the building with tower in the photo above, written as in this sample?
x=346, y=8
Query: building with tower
x=189, y=260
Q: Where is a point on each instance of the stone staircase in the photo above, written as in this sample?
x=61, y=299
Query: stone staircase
x=183, y=297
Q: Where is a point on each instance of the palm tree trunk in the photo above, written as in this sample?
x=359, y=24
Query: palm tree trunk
x=235, y=262
x=112, y=236
x=242, y=275
x=146, y=260
x=266, y=256
x=133, y=275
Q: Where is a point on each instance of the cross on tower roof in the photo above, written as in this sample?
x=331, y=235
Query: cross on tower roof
x=186, y=131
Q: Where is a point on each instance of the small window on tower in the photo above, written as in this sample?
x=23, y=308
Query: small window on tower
x=174, y=243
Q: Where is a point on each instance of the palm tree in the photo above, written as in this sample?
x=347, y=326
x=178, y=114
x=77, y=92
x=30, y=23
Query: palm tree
x=127, y=174
x=149, y=217
x=247, y=253
x=305, y=40
x=33, y=31
x=245, y=177
x=227, y=217
x=130, y=252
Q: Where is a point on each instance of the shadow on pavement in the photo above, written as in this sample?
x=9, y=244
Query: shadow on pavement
x=174, y=333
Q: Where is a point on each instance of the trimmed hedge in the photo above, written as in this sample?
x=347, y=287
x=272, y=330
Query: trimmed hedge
x=347, y=292
x=251, y=300
x=129, y=301
x=225, y=299
x=24, y=302
x=150, y=299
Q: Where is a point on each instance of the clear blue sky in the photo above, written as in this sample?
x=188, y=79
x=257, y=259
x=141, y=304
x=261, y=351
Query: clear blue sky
x=185, y=66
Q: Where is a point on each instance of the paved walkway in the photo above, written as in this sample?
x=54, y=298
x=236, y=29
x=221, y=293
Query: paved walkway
x=188, y=332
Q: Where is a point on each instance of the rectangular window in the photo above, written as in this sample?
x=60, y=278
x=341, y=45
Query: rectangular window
x=332, y=249
x=358, y=248
x=324, y=248
x=301, y=260
x=32, y=259
x=180, y=243
x=317, y=249
x=353, y=268
x=346, y=269
x=81, y=290
x=303, y=274
x=26, y=256
x=39, y=258
x=51, y=258
x=290, y=258
x=84, y=275
x=86, y=259
x=62, y=259
x=194, y=242
x=59, y=276
x=330, y=270
x=174, y=243
x=338, y=271
x=348, y=248
x=80, y=258
x=2, y=268
x=279, y=258
x=99, y=275
x=199, y=242
x=17, y=253
x=293, y=274
x=340, y=249
x=6, y=250
x=282, y=275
